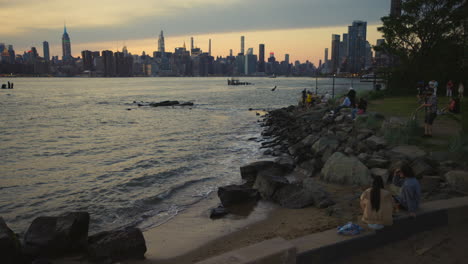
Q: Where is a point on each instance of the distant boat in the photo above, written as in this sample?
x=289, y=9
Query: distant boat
x=233, y=81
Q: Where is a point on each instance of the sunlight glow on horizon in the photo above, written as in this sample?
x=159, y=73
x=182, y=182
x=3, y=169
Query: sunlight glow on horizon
x=300, y=44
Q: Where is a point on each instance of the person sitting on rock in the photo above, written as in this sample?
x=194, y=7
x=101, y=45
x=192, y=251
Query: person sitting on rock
x=377, y=205
x=362, y=106
x=410, y=192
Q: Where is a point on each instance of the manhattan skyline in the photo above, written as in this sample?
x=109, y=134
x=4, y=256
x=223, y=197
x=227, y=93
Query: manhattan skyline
x=299, y=28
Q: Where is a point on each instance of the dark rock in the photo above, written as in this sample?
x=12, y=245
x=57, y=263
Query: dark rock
x=269, y=181
x=235, y=194
x=377, y=163
x=218, y=212
x=308, y=168
x=55, y=236
x=342, y=169
x=41, y=261
x=116, y=245
x=376, y=143
x=324, y=143
x=364, y=133
x=249, y=172
x=268, y=152
x=294, y=196
x=430, y=183
x=363, y=157
x=409, y=152
x=10, y=246
x=420, y=167
x=457, y=180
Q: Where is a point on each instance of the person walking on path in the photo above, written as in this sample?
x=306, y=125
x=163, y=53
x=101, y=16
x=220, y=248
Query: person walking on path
x=430, y=107
x=410, y=192
x=461, y=90
x=377, y=205
x=449, y=88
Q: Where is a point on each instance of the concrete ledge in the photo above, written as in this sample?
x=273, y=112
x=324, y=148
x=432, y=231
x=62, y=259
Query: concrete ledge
x=273, y=251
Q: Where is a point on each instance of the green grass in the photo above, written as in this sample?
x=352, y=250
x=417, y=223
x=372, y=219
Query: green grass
x=448, y=136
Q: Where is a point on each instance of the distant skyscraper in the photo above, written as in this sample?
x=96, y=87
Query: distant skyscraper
x=242, y=44
x=335, y=53
x=11, y=52
x=395, y=8
x=66, y=46
x=209, y=48
x=250, y=62
x=286, y=58
x=87, y=57
x=125, y=51
x=230, y=53
x=357, y=33
x=45, y=46
x=109, y=64
x=326, y=56
x=261, y=58
x=161, y=43
x=191, y=44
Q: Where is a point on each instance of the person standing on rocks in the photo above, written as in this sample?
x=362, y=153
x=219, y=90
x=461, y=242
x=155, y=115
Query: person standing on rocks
x=377, y=205
x=410, y=192
x=304, y=97
x=430, y=106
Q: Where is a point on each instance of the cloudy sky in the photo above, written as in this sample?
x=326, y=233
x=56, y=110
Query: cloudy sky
x=301, y=28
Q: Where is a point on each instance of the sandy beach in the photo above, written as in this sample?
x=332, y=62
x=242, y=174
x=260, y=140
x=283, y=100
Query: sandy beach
x=192, y=236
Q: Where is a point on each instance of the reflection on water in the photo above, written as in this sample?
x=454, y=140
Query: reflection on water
x=70, y=144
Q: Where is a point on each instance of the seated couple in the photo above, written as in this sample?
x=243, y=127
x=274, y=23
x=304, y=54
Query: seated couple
x=378, y=204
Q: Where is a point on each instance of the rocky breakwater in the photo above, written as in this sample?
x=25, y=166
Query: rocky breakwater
x=309, y=149
x=67, y=235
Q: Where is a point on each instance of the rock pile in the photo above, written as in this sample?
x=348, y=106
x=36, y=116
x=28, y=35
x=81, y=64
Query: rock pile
x=59, y=236
x=314, y=146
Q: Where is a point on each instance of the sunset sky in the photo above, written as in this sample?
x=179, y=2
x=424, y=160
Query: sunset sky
x=301, y=28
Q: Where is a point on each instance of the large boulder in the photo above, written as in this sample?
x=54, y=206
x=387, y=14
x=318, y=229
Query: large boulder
x=420, y=167
x=307, y=168
x=408, y=152
x=343, y=169
x=376, y=143
x=304, y=194
x=56, y=236
x=249, y=172
x=10, y=246
x=269, y=181
x=116, y=245
x=458, y=180
x=303, y=144
x=235, y=194
x=325, y=143
x=430, y=183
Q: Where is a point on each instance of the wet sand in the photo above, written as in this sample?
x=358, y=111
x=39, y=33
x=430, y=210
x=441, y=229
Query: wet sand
x=192, y=236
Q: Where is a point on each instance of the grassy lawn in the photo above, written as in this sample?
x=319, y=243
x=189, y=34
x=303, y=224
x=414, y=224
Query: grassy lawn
x=445, y=127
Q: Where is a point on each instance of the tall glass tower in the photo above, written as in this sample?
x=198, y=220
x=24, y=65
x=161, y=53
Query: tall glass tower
x=161, y=43
x=66, y=45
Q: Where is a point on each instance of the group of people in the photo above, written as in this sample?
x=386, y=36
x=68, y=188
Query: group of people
x=350, y=101
x=379, y=205
x=427, y=98
x=9, y=86
x=309, y=99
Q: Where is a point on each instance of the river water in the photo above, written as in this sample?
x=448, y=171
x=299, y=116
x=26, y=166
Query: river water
x=80, y=144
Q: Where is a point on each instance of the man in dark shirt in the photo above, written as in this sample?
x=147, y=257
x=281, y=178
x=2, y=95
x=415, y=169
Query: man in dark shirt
x=430, y=107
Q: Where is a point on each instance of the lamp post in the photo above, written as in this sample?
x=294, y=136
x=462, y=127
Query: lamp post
x=333, y=88
x=316, y=86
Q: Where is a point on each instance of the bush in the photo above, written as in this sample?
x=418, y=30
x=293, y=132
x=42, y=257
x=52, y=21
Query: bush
x=408, y=133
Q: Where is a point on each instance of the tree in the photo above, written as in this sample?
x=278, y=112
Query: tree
x=426, y=42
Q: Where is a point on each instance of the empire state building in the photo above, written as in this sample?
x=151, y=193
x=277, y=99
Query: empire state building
x=66, y=46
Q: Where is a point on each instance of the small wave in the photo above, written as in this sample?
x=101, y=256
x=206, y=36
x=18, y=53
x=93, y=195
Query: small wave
x=171, y=191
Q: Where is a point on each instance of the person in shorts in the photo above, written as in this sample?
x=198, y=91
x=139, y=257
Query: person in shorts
x=430, y=107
